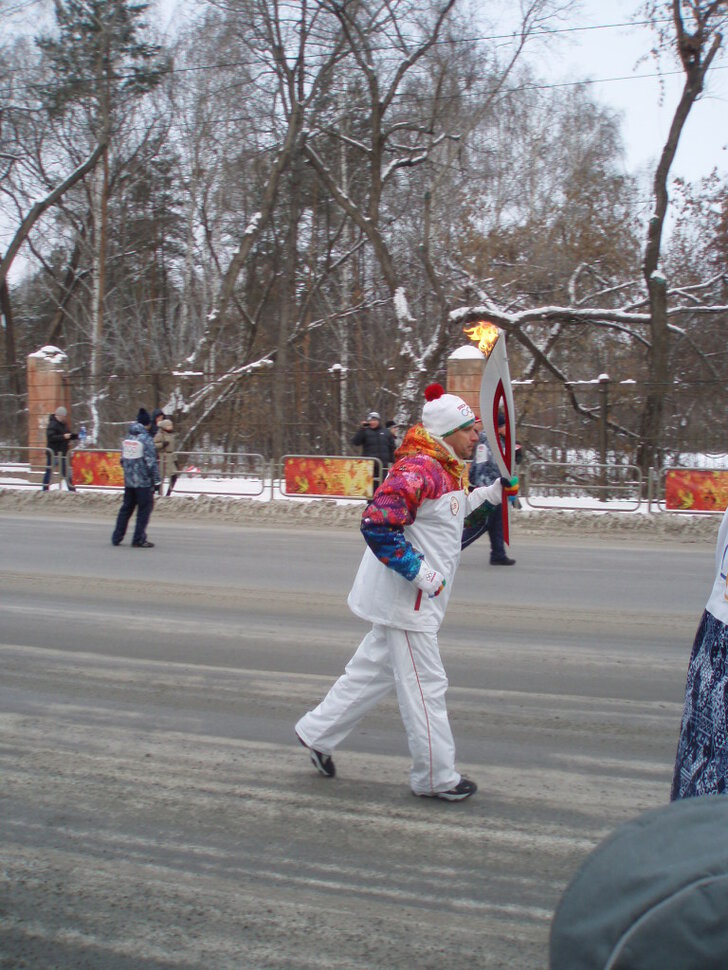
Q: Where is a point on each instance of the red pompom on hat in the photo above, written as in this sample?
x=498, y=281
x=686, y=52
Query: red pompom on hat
x=445, y=413
x=433, y=391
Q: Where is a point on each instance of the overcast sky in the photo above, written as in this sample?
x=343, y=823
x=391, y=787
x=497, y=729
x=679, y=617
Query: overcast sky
x=599, y=42
x=611, y=55
x=595, y=43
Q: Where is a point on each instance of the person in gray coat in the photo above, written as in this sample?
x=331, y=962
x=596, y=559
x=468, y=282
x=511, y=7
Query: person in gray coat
x=165, y=446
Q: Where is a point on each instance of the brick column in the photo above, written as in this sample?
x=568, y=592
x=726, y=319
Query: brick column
x=48, y=388
x=464, y=373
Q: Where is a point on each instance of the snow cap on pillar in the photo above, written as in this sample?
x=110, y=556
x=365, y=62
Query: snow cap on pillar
x=444, y=413
x=465, y=373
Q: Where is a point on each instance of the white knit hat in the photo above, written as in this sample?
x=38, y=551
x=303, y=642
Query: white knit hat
x=445, y=413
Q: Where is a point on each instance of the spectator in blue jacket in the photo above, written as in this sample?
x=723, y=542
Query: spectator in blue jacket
x=141, y=481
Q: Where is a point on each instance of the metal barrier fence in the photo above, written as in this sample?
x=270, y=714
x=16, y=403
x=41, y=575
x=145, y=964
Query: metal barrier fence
x=570, y=485
x=544, y=484
x=27, y=467
x=201, y=473
x=213, y=473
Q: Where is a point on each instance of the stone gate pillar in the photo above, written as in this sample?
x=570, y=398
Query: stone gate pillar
x=464, y=373
x=48, y=388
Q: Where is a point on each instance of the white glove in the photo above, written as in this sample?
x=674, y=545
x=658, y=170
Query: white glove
x=492, y=493
x=429, y=580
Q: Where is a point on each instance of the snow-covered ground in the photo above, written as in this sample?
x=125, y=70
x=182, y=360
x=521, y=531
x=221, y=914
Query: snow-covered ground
x=264, y=504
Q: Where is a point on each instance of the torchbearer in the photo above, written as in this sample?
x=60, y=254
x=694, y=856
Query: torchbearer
x=413, y=528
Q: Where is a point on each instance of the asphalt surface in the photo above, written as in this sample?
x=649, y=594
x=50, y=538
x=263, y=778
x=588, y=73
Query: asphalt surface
x=155, y=811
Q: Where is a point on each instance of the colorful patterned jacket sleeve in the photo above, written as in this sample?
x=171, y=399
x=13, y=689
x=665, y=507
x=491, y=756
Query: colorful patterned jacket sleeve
x=395, y=505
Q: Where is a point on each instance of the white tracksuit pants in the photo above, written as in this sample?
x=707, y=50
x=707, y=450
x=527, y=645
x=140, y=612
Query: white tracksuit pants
x=410, y=662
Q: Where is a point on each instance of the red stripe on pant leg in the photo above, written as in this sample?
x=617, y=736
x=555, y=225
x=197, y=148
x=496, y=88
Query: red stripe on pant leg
x=424, y=705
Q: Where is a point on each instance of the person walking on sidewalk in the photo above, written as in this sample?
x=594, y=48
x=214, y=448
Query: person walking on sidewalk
x=413, y=529
x=141, y=480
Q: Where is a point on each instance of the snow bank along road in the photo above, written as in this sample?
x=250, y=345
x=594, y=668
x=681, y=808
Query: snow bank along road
x=157, y=813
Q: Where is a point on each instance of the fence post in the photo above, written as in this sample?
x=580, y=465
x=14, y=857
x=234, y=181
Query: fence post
x=603, y=413
x=651, y=480
x=337, y=371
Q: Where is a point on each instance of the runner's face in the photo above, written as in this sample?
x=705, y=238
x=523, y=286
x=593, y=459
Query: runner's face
x=463, y=442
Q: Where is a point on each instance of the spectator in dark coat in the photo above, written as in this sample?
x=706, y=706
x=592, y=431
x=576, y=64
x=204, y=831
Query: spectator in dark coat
x=141, y=480
x=393, y=429
x=158, y=416
x=58, y=436
x=376, y=441
x=484, y=471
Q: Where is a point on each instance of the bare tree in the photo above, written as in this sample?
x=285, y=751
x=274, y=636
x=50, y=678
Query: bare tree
x=407, y=93
x=697, y=37
x=648, y=317
x=99, y=63
x=289, y=54
x=35, y=173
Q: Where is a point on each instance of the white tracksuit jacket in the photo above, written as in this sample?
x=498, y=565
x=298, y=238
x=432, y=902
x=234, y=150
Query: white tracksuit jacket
x=381, y=595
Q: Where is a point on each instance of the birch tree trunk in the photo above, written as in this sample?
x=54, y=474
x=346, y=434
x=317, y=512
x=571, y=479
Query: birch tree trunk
x=100, y=212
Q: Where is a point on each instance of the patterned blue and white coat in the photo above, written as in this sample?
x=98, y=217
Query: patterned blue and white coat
x=701, y=764
x=139, y=458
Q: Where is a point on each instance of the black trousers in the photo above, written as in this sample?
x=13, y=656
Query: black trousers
x=495, y=531
x=141, y=499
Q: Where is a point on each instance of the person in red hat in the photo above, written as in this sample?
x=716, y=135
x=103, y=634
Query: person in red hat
x=413, y=528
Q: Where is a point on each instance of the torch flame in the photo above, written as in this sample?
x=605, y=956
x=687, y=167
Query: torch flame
x=484, y=334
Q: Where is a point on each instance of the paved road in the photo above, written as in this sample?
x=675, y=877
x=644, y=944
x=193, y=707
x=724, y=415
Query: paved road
x=155, y=813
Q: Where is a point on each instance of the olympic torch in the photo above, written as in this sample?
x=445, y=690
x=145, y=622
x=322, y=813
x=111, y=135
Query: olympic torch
x=496, y=395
